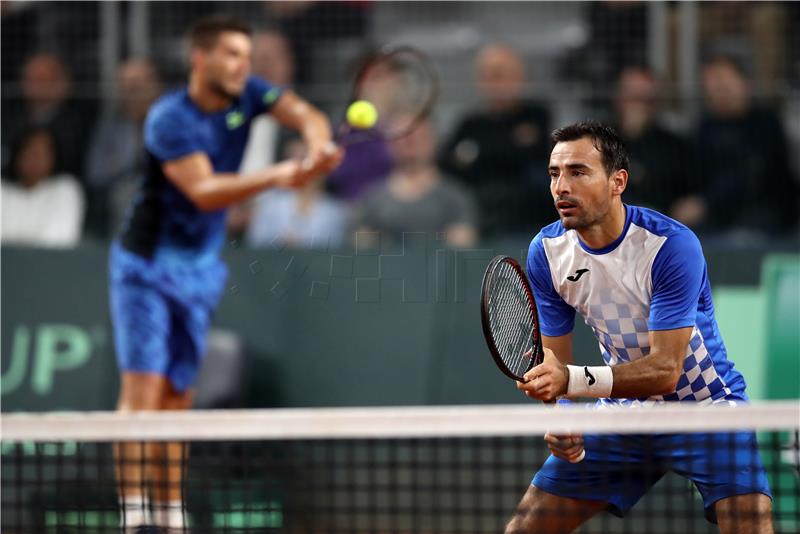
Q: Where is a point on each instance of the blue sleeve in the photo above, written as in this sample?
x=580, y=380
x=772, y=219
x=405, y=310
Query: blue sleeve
x=262, y=93
x=678, y=275
x=556, y=317
x=170, y=134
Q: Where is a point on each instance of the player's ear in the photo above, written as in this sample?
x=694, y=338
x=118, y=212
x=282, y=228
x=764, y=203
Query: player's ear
x=619, y=181
x=196, y=56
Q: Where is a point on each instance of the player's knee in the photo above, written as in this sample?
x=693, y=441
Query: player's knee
x=528, y=515
x=140, y=391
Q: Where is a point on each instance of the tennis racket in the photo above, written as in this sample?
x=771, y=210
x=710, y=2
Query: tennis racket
x=509, y=318
x=510, y=321
x=402, y=84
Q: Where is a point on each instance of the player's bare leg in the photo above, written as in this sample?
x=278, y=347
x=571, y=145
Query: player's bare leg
x=544, y=513
x=138, y=392
x=745, y=514
x=166, y=473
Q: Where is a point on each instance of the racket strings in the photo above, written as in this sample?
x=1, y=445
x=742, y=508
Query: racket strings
x=511, y=319
x=403, y=87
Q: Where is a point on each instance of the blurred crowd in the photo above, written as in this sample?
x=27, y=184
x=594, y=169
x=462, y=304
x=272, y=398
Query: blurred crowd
x=70, y=170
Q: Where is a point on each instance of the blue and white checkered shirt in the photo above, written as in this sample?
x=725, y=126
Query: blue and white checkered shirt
x=653, y=277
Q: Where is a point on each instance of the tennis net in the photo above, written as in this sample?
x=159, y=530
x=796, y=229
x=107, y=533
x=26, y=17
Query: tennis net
x=378, y=470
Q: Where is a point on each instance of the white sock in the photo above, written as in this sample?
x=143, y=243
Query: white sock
x=169, y=515
x=135, y=511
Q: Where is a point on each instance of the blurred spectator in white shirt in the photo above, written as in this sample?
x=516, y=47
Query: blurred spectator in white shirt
x=305, y=218
x=39, y=207
x=47, y=99
x=272, y=60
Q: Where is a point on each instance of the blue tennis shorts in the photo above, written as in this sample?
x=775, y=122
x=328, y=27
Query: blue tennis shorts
x=619, y=469
x=161, y=314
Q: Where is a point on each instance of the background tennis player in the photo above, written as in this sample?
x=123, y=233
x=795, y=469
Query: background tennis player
x=166, y=275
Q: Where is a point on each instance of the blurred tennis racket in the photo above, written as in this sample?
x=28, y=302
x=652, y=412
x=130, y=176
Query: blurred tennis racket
x=403, y=86
x=510, y=321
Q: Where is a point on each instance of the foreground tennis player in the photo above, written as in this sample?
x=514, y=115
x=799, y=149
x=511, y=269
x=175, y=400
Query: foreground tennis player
x=166, y=275
x=639, y=280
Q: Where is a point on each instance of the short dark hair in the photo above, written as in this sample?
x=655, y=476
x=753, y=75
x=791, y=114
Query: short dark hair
x=605, y=140
x=205, y=31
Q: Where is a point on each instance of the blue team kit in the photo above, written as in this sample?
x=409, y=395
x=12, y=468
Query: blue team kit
x=653, y=277
x=166, y=276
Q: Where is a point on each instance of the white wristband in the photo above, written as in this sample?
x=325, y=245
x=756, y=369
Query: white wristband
x=593, y=382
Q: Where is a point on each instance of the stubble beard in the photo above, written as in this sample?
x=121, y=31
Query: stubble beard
x=220, y=90
x=586, y=220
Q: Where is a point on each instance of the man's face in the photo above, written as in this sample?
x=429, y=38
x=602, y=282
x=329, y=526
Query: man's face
x=36, y=160
x=581, y=189
x=417, y=149
x=137, y=88
x=227, y=63
x=44, y=81
x=636, y=100
x=726, y=91
x=500, y=76
x=272, y=58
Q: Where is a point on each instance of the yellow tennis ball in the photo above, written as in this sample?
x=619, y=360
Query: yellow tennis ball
x=362, y=115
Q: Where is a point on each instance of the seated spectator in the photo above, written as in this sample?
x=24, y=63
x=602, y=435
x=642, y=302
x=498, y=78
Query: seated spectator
x=48, y=100
x=272, y=60
x=747, y=187
x=115, y=160
x=307, y=218
x=416, y=198
x=660, y=160
x=40, y=207
x=367, y=162
x=493, y=151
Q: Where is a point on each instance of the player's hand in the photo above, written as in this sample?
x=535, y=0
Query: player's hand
x=567, y=447
x=547, y=381
x=322, y=159
x=289, y=174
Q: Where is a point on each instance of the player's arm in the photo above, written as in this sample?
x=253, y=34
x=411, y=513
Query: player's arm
x=294, y=112
x=655, y=374
x=194, y=176
x=658, y=372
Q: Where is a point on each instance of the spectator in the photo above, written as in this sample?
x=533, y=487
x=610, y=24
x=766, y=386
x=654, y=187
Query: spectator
x=47, y=100
x=659, y=159
x=272, y=60
x=115, y=160
x=492, y=151
x=307, y=218
x=40, y=206
x=308, y=24
x=747, y=185
x=416, y=198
